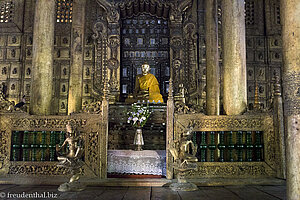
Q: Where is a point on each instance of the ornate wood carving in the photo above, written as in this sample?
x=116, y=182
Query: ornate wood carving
x=37, y=169
x=31, y=123
x=183, y=51
x=4, y=148
x=291, y=93
x=262, y=122
x=159, y=8
x=190, y=56
x=92, y=150
x=114, y=49
x=100, y=68
x=90, y=125
x=238, y=170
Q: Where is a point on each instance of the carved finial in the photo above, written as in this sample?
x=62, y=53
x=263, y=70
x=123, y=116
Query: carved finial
x=277, y=86
x=256, y=98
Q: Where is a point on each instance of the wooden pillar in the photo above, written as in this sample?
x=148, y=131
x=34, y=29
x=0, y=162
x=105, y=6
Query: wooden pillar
x=212, y=59
x=42, y=61
x=77, y=51
x=170, y=131
x=234, y=59
x=291, y=92
x=279, y=130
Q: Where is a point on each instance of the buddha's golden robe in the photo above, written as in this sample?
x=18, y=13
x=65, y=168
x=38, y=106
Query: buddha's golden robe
x=150, y=83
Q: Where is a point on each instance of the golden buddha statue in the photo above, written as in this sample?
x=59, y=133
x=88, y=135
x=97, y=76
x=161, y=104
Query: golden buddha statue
x=147, y=87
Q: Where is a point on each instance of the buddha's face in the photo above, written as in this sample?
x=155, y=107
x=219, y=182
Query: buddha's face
x=145, y=69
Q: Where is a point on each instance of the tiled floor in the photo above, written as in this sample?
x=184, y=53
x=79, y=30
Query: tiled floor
x=145, y=193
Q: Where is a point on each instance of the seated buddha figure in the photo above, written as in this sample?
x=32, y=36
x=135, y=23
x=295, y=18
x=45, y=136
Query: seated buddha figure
x=147, y=87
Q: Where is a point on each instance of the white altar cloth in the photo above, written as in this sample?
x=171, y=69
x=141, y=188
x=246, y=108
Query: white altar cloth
x=137, y=162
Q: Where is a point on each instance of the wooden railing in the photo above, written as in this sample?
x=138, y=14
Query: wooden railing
x=28, y=143
x=229, y=146
x=35, y=145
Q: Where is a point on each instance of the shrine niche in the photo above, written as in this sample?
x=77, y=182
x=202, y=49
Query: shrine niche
x=142, y=32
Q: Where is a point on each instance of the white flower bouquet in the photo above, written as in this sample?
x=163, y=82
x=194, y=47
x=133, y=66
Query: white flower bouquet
x=139, y=115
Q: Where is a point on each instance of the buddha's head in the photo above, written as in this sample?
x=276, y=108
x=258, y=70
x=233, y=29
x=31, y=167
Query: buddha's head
x=145, y=69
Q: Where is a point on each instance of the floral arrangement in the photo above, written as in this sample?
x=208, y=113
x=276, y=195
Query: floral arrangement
x=139, y=115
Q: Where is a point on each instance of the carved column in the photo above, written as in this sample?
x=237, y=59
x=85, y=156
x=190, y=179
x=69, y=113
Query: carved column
x=42, y=61
x=234, y=57
x=104, y=131
x=113, y=53
x=77, y=51
x=212, y=59
x=176, y=47
x=291, y=93
x=279, y=130
x=100, y=68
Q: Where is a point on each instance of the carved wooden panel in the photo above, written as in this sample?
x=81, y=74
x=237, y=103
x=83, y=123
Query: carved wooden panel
x=61, y=65
x=92, y=13
x=262, y=122
x=88, y=124
x=89, y=58
x=10, y=66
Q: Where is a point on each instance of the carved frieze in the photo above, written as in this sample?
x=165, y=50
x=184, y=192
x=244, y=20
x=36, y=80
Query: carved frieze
x=228, y=123
x=50, y=169
x=231, y=170
x=46, y=123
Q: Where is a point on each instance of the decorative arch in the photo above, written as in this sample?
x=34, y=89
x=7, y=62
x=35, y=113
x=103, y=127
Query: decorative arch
x=108, y=55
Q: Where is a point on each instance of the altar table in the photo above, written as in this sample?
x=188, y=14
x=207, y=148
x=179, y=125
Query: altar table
x=151, y=162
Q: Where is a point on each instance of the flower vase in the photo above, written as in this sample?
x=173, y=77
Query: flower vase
x=138, y=139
